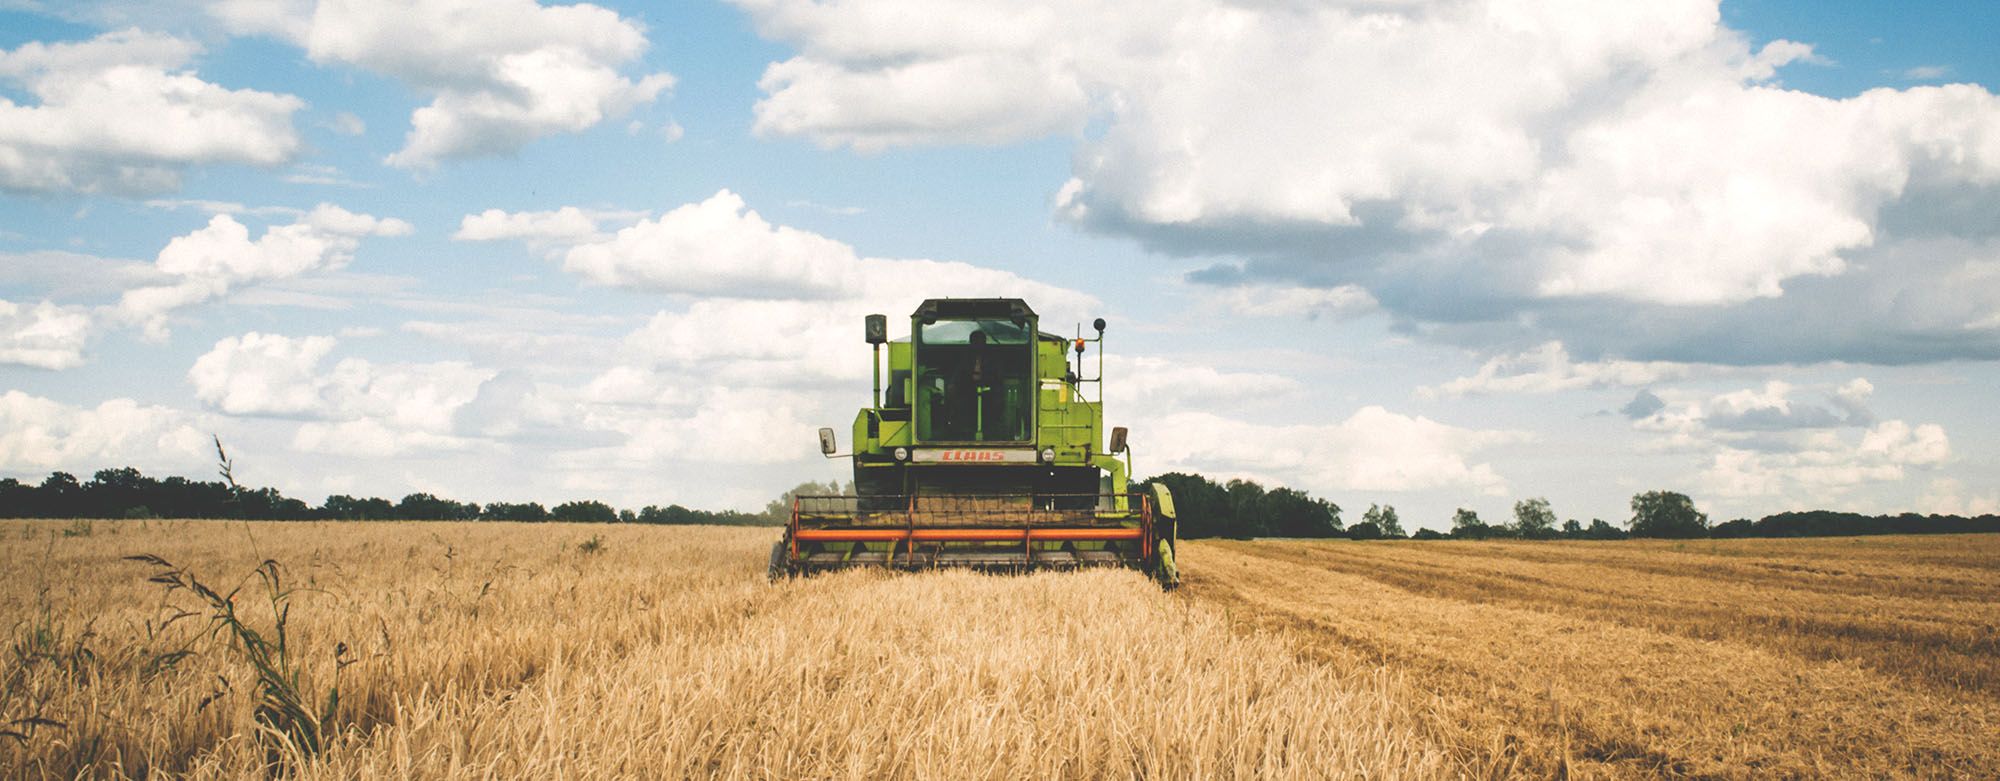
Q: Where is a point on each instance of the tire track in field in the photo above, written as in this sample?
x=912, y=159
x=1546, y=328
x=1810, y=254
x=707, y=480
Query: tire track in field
x=1544, y=690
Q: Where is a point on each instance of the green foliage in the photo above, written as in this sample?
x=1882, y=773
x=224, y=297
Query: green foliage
x=1599, y=530
x=531, y=512
x=1384, y=518
x=584, y=512
x=1534, y=520
x=1667, y=514
x=676, y=514
x=1365, y=530
x=288, y=713
x=1465, y=524
x=1243, y=509
x=425, y=507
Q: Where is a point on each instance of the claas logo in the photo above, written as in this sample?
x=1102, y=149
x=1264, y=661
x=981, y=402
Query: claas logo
x=972, y=455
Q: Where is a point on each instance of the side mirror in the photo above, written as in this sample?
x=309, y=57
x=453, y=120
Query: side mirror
x=826, y=443
x=877, y=329
x=1117, y=439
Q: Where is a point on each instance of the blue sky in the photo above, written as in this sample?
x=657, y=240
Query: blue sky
x=1437, y=255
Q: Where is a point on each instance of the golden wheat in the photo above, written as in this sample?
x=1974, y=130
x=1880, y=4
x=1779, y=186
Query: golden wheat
x=526, y=651
x=1870, y=657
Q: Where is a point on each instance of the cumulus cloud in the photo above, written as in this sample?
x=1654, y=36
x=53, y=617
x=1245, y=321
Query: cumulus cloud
x=354, y=407
x=1951, y=497
x=1763, y=443
x=1372, y=450
x=1291, y=301
x=45, y=336
x=122, y=113
x=38, y=434
x=566, y=226
x=778, y=306
x=209, y=262
x=1549, y=368
x=500, y=73
x=1160, y=384
x=1458, y=160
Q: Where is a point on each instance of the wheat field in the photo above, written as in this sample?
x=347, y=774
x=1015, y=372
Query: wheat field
x=558, y=650
x=489, y=649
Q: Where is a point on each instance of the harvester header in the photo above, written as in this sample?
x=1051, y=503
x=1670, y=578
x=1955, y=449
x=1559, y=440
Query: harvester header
x=983, y=450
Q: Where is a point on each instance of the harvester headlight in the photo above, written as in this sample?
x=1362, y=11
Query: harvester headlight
x=1048, y=454
x=902, y=454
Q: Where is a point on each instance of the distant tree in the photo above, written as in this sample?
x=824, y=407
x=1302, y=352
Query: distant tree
x=1201, y=506
x=1666, y=514
x=1740, y=527
x=1599, y=530
x=1365, y=530
x=1427, y=534
x=531, y=512
x=425, y=507
x=627, y=516
x=1572, y=530
x=59, y=496
x=1466, y=524
x=585, y=512
x=1291, y=513
x=16, y=499
x=779, y=510
x=1534, y=520
x=1245, y=500
x=1384, y=518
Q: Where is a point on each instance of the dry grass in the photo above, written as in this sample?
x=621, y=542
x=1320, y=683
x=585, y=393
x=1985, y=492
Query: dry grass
x=532, y=651
x=1871, y=657
x=589, y=651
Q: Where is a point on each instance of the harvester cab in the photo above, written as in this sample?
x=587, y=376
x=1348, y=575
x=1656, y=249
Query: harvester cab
x=983, y=451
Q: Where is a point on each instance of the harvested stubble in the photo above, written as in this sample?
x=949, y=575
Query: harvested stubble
x=1865, y=657
x=501, y=649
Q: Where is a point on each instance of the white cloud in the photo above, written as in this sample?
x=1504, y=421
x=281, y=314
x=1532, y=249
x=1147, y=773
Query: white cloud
x=565, y=226
x=1290, y=301
x=347, y=124
x=1927, y=72
x=1947, y=496
x=45, y=336
x=719, y=425
x=720, y=247
x=386, y=408
x=42, y=434
x=121, y=113
x=1764, y=444
x=1549, y=368
x=500, y=73
x=209, y=262
x=1158, y=385
x=258, y=374
x=1372, y=450
x=1825, y=465
x=1632, y=151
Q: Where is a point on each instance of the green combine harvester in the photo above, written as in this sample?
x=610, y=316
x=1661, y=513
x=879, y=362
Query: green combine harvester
x=983, y=453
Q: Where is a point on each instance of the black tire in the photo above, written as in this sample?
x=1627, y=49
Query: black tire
x=779, y=566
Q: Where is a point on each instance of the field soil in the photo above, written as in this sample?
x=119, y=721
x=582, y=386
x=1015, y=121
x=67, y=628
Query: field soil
x=1850, y=657
x=557, y=650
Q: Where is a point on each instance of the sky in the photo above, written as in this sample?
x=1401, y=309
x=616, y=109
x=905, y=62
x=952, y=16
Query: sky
x=1427, y=254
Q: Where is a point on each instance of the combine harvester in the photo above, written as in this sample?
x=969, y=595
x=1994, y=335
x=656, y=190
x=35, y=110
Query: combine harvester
x=984, y=453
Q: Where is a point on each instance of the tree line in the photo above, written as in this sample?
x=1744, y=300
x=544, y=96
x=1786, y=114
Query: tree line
x=126, y=493
x=1243, y=509
x=1235, y=508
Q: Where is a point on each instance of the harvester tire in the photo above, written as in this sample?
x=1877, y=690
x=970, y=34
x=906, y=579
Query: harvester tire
x=1166, y=571
x=779, y=567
